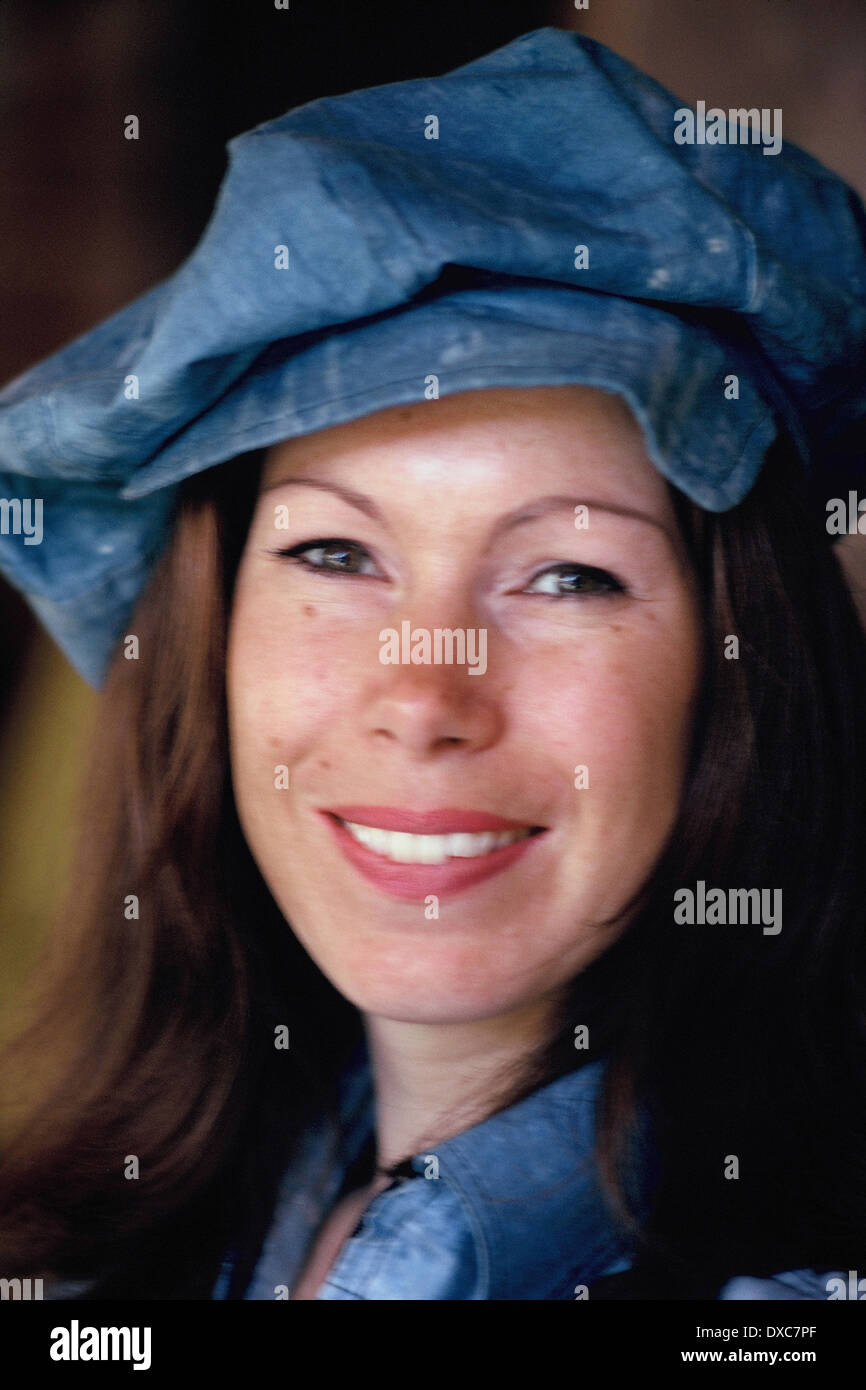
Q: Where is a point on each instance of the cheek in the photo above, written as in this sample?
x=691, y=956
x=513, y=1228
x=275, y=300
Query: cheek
x=289, y=668
x=612, y=711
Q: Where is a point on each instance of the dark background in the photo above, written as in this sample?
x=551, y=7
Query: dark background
x=89, y=219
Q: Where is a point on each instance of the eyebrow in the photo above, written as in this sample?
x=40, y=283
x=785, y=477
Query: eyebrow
x=355, y=499
x=522, y=516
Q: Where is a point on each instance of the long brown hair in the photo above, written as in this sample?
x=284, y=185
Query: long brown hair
x=148, y=1116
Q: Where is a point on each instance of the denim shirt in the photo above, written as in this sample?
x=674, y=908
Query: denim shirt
x=509, y=1209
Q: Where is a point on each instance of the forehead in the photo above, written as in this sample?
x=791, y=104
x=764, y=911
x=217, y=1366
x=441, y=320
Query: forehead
x=540, y=433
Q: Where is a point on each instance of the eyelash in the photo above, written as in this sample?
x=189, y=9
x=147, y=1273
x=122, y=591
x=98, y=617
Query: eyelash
x=611, y=586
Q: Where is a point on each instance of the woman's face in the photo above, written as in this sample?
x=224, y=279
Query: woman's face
x=530, y=523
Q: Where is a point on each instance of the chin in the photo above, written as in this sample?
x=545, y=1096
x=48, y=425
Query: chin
x=429, y=997
x=404, y=1009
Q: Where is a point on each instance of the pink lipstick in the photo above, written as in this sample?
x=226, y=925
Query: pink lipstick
x=459, y=848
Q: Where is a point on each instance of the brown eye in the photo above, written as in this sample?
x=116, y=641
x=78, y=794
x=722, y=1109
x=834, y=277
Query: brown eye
x=575, y=581
x=335, y=556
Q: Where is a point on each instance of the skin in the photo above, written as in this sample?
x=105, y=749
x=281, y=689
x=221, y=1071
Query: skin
x=606, y=680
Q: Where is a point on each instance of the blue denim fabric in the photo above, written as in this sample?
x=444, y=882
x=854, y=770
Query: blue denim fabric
x=796, y=1284
x=415, y=267
x=515, y=1213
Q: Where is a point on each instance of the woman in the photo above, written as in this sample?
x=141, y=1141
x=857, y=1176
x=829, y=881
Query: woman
x=470, y=899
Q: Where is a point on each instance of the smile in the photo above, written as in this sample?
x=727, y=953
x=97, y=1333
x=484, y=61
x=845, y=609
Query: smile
x=403, y=848
x=410, y=854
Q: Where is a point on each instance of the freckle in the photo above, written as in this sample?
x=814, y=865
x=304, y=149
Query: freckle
x=309, y=611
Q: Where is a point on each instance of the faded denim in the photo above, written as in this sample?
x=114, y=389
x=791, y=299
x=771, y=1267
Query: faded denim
x=515, y=1213
x=414, y=266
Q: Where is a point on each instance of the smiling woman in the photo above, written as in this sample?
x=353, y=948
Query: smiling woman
x=374, y=980
x=443, y=507
x=444, y=513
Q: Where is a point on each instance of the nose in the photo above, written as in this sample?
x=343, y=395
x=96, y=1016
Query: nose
x=429, y=708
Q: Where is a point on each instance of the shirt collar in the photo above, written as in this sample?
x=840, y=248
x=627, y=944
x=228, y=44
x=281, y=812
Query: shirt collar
x=527, y=1181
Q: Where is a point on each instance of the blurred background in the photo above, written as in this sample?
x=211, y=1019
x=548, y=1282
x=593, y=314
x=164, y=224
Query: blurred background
x=89, y=219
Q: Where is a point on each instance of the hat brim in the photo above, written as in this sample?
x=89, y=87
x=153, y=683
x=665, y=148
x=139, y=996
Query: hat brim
x=673, y=374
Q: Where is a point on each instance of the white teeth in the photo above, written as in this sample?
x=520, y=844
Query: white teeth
x=404, y=848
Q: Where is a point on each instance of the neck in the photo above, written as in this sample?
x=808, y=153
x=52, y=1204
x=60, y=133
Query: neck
x=434, y=1080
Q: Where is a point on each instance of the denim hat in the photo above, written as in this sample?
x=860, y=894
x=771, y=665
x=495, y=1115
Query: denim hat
x=535, y=217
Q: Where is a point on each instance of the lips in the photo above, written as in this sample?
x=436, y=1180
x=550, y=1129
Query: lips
x=410, y=854
x=447, y=821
